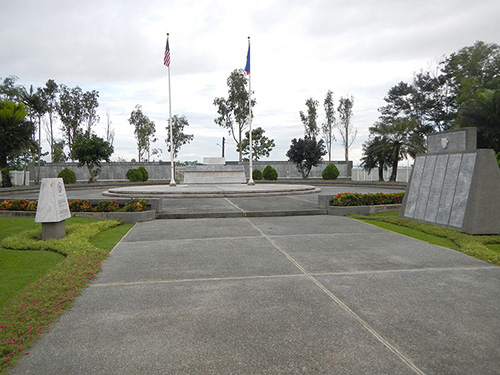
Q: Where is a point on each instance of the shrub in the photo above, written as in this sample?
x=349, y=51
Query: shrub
x=80, y=205
x=107, y=206
x=18, y=205
x=269, y=173
x=356, y=199
x=330, y=172
x=68, y=176
x=256, y=174
x=136, y=205
x=134, y=175
x=144, y=172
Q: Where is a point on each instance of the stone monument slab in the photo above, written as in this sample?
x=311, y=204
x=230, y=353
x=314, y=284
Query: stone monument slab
x=455, y=184
x=52, y=208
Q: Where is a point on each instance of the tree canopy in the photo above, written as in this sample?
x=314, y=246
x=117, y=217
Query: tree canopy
x=91, y=150
x=15, y=135
x=178, y=136
x=233, y=111
x=144, y=131
x=306, y=153
x=261, y=145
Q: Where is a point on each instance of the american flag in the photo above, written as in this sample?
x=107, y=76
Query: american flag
x=166, y=59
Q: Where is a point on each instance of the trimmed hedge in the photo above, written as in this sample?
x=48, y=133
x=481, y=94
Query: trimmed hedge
x=134, y=175
x=356, y=199
x=256, y=174
x=144, y=172
x=331, y=172
x=68, y=176
x=269, y=173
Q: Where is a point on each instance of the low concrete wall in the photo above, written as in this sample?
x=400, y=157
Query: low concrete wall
x=362, y=210
x=116, y=171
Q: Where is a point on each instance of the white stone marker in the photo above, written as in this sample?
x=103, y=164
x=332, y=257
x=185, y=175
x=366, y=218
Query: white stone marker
x=52, y=208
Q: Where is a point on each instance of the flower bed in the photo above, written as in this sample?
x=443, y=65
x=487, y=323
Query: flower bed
x=356, y=199
x=79, y=205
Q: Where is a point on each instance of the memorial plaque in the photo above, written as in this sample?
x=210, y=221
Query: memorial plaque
x=416, y=177
x=448, y=191
x=52, y=202
x=425, y=187
x=462, y=190
x=436, y=188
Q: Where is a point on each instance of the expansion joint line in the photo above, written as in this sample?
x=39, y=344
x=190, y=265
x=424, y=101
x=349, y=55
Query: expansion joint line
x=365, y=325
x=234, y=205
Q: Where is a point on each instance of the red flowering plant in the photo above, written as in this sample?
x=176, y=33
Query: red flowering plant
x=18, y=205
x=136, y=205
x=357, y=199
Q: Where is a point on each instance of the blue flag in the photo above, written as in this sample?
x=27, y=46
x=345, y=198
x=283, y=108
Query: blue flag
x=247, y=67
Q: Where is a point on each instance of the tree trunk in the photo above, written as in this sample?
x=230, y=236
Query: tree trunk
x=381, y=173
x=394, y=170
x=6, y=182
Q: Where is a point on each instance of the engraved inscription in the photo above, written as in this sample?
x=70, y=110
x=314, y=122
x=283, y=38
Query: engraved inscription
x=425, y=187
x=462, y=190
x=448, y=191
x=416, y=178
x=436, y=188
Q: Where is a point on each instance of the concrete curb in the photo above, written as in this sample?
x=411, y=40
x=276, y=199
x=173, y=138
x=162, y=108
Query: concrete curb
x=362, y=210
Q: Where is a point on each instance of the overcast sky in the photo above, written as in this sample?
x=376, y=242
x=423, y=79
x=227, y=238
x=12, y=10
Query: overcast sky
x=300, y=49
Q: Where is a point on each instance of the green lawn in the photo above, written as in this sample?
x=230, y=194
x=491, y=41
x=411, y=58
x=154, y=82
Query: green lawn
x=19, y=268
x=37, y=286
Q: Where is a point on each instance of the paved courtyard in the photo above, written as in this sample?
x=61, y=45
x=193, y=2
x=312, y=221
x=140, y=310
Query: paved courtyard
x=278, y=295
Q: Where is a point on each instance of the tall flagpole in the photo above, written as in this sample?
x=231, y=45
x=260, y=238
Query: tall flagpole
x=250, y=180
x=166, y=61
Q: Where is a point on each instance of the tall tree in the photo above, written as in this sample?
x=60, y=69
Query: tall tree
x=144, y=131
x=71, y=113
x=233, y=111
x=179, y=138
x=305, y=154
x=309, y=120
x=37, y=108
x=50, y=92
x=90, y=150
x=329, y=123
x=261, y=145
x=9, y=90
x=483, y=112
x=344, y=125
x=110, y=133
x=15, y=135
x=90, y=103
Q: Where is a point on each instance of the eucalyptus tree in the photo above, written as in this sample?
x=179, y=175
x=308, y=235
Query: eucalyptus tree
x=309, y=119
x=179, y=138
x=329, y=124
x=344, y=124
x=233, y=110
x=50, y=91
x=144, y=131
x=261, y=145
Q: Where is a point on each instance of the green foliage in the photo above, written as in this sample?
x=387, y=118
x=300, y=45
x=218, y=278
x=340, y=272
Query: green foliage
x=144, y=173
x=305, y=154
x=15, y=135
x=134, y=175
x=28, y=314
x=107, y=206
x=356, y=199
x=90, y=150
x=233, y=111
x=18, y=205
x=68, y=176
x=309, y=120
x=179, y=138
x=269, y=173
x=144, y=131
x=136, y=205
x=498, y=159
x=257, y=175
x=261, y=145
x=331, y=172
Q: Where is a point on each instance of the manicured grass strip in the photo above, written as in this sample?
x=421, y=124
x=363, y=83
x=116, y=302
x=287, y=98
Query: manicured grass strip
x=30, y=312
x=475, y=246
x=19, y=268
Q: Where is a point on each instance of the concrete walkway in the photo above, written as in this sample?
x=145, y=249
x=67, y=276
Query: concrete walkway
x=278, y=295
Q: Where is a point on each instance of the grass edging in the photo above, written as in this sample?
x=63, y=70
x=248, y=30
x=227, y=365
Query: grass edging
x=474, y=246
x=29, y=314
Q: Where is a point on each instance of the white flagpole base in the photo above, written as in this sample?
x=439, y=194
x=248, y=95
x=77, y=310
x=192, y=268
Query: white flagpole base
x=172, y=183
x=251, y=182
